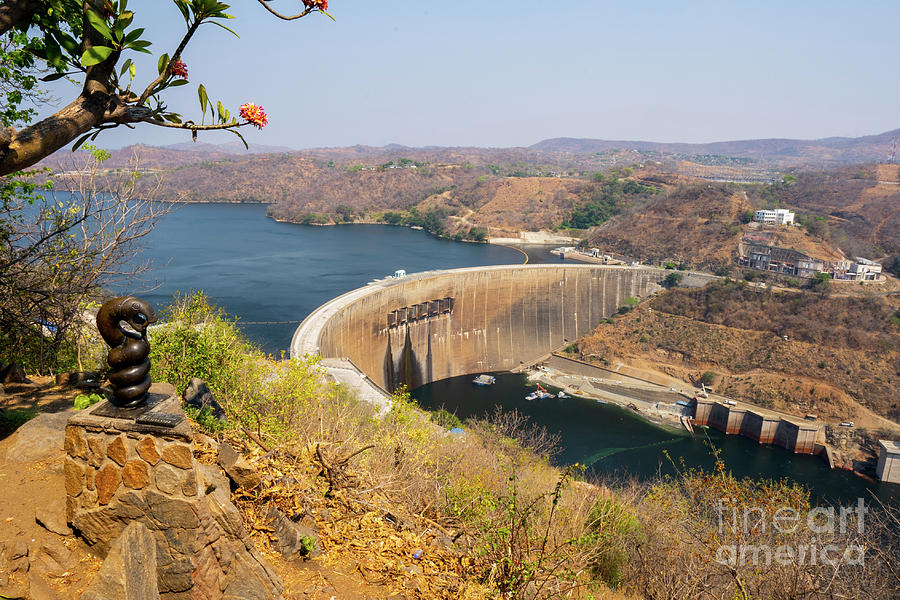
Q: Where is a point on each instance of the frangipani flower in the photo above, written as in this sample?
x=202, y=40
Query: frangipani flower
x=178, y=69
x=254, y=114
x=316, y=4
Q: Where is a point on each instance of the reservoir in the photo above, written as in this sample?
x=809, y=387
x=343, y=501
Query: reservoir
x=271, y=275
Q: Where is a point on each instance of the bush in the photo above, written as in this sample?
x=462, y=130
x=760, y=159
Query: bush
x=445, y=419
x=708, y=377
x=198, y=340
x=672, y=280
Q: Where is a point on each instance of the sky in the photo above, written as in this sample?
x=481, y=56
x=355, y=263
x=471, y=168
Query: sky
x=511, y=73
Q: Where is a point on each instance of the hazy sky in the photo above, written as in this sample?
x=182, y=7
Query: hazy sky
x=504, y=73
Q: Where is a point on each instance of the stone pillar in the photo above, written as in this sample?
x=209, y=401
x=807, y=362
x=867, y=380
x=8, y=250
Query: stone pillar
x=888, y=468
x=121, y=467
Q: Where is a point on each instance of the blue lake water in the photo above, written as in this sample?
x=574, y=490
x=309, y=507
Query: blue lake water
x=271, y=275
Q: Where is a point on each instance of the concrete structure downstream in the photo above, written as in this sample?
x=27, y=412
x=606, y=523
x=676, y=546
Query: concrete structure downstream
x=798, y=436
x=430, y=326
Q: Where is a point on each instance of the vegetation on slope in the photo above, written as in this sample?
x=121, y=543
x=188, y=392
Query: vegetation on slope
x=841, y=352
x=485, y=512
x=697, y=224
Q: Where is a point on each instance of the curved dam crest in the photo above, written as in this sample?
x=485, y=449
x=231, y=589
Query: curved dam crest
x=439, y=324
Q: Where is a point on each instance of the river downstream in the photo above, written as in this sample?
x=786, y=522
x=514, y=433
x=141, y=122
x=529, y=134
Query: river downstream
x=271, y=275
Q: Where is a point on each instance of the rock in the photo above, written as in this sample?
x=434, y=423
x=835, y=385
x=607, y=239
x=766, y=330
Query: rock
x=135, y=474
x=292, y=540
x=74, y=477
x=38, y=439
x=237, y=467
x=95, y=450
x=107, y=481
x=52, y=516
x=86, y=379
x=167, y=479
x=210, y=478
x=75, y=443
x=178, y=455
x=52, y=560
x=189, y=487
x=198, y=395
x=129, y=571
x=14, y=557
x=146, y=449
x=13, y=373
x=117, y=451
x=38, y=589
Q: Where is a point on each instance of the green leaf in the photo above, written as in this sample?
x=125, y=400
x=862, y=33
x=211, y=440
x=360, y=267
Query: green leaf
x=172, y=117
x=95, y=55
x=139, y=46
x=237, y=133
x=182, y=6
x=228, y=29
x=204, y=99
x=125, y=19
x=220, y=109
x=99, y=23
x=80, y=141
x=67, y=42
x=133, y=36
x=53, y=52
x=163, y=63
x=125, y=66
x=54, y=76
x=178, y=82
x=132, y=70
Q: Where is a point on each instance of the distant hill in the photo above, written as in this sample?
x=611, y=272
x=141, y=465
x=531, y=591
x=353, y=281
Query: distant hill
x=234, y=147
x=826, y=151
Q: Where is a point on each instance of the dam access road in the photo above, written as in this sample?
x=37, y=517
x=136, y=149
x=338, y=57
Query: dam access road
x=438, y=324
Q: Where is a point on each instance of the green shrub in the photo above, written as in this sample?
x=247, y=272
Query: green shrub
x=609, y=524
x=12, y=419
x=83, y=401
x=445, y=419
x=708, y=377
x=307, y=545
x=198, y=340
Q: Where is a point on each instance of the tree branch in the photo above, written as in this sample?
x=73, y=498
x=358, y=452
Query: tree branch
x=191, y=127
x=17, y=13
x=265, y=3
x=162, y=76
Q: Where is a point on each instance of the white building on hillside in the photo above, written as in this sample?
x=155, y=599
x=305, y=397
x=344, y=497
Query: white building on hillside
x=864, y=270
x=779, y=216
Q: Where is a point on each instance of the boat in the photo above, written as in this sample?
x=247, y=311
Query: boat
x=485, y=380
x=539, y=394
x=563, y=395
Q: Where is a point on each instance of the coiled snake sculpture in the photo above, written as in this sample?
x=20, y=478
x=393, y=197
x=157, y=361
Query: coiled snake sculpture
x=123, y=324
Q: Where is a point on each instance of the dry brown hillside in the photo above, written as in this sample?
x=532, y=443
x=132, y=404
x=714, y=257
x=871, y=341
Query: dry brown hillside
x=841, y=358
x=698, y=224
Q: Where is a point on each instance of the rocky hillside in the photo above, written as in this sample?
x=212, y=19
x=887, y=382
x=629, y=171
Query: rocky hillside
x=696, y=224
x=839, y=359
x=857, y=207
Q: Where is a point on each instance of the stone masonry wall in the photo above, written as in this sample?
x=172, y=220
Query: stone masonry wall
x=118, y=472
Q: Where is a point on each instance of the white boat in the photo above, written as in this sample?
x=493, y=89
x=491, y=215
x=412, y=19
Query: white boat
x=539, y=394
x=563, y=395
x=485, y=380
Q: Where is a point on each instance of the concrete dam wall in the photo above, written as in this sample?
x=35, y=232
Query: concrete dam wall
x=439, y=324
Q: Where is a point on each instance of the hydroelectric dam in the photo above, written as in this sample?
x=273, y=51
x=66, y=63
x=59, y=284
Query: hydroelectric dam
x=438, y=324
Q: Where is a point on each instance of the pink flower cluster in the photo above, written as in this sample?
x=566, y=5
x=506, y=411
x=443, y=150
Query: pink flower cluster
x=178, y=69
x=254, y=114
x=316, y=4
